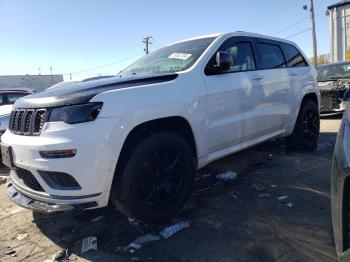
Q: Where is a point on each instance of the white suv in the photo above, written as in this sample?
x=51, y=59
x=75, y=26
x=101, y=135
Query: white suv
x=136, y=139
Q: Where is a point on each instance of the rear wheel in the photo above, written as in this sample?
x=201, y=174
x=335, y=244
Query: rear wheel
x=156, y=178
x=307, y=126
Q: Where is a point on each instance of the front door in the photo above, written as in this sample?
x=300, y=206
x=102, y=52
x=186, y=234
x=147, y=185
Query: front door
x=228, y=93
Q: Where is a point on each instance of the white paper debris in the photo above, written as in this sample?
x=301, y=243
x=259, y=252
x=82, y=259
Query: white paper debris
x=290, y=204
x=138, y=242
x=280, y=198
x=21, y=236
x=227, y=176
x=169, y=231
x=89, y=243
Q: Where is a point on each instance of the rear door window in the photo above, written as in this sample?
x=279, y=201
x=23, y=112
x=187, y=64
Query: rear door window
x=293, y=56
x=271, y=56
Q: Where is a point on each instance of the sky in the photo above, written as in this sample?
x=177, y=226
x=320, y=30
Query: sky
x=83, y=38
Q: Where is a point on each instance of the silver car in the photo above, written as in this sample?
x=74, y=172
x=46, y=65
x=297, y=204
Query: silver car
x=7, y=98
x=334, y=85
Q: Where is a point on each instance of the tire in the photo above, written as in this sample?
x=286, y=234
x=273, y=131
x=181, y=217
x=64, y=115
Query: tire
x=156, y=178
x=307, y=127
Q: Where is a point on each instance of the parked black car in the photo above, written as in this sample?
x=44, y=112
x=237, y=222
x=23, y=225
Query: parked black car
x=334, y=84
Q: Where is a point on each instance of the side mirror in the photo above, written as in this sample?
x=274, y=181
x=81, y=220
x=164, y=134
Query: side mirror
x=223, y=61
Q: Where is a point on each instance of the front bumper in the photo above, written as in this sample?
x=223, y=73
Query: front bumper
x=26, y=202
x=341, y=191
x=333, y=102
x=98, y=144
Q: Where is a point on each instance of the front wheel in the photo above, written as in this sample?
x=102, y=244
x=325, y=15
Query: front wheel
x=156, y=178
x=307, y=127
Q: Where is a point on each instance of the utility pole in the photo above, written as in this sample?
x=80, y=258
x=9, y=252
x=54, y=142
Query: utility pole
x=147, y=42
x=39, y=68
x=51, y=74
x=313, y=29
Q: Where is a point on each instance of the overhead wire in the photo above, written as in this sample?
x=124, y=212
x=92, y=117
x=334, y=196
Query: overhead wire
x=303, y=31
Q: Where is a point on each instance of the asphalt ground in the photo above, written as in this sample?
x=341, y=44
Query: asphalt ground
x=239, y=221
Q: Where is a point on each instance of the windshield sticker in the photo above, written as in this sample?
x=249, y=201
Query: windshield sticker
x=182, y=56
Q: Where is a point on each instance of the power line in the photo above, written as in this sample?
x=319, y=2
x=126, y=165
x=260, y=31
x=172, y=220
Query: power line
x=292, y=25
x=105, y=65
x=155, y=41
x=298, y=33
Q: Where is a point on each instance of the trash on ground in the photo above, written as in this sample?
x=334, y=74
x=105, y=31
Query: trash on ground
x=3, y=180
x=10, y=252
x=134, y=222
x=60, y=254
x=97, y=219
x=235, y=194
x=135, y=259
x=265, y=195
x=89, y=243
x=132, y=247
x=21, y=236
x=269, y=157
x=257, y=187
x=138, y=242
x=280, y=198
x=273, y=186
x=290, y=204
x=169, y=231
x=228, y=176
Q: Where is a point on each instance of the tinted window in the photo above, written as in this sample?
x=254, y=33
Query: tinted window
x=271, y=56
x=13, y=97
x=293, y=56
x=242, y=56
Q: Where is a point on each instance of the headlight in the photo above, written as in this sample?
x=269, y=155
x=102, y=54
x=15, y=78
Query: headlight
x=76, y=113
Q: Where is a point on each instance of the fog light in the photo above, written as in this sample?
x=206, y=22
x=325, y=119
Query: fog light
x=58, y=153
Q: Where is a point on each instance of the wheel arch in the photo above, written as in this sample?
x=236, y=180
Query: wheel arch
x=176, y=124
x=310, y=96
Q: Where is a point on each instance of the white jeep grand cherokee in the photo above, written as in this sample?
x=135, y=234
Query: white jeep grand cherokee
x=136, y=139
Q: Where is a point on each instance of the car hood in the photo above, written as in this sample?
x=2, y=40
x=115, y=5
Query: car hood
x=5, y=110
x=327, y=84
x=82, y=92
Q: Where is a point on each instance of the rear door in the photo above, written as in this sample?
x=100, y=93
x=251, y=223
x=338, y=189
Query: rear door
x=268, y=110
x=299, y=72
x=228, y=93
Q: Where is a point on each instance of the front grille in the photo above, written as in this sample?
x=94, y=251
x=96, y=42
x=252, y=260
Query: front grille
x=27, y=122
x=28, y=179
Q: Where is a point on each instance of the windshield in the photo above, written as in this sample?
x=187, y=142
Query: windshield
x=333, y=72
x=170, y=59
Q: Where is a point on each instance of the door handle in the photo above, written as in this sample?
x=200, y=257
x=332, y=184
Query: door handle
x=257, y=78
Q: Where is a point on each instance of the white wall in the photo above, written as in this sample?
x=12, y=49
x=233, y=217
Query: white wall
x=339, y=25
x=36, y=82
